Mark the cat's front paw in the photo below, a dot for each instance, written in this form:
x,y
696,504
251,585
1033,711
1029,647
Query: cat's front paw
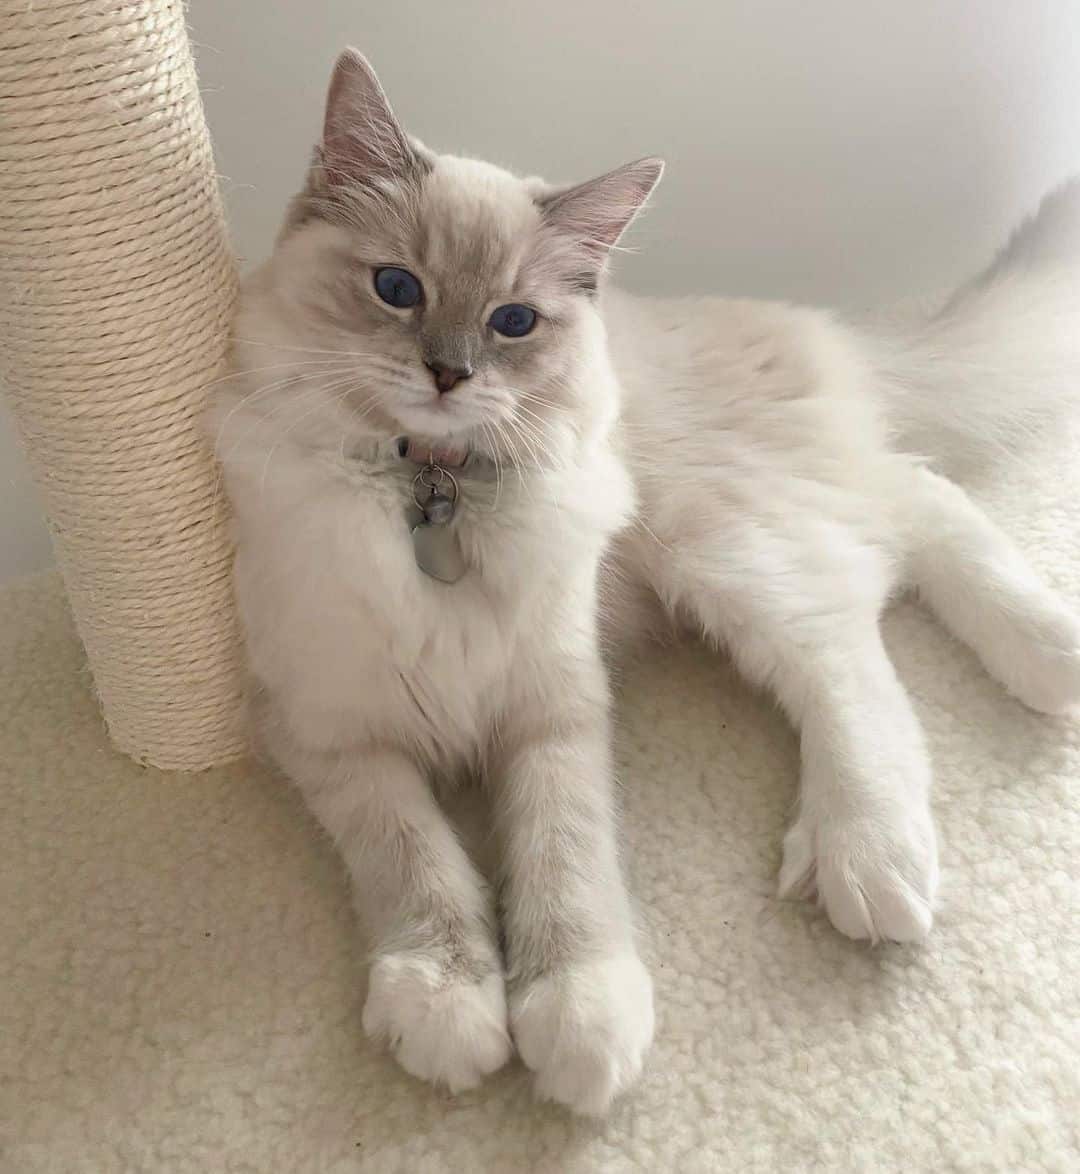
x,y
875,874
584,1030
444,1027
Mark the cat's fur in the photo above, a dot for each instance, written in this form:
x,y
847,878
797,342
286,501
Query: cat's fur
x,y
759,473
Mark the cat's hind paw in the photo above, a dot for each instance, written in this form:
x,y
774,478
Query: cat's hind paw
x,y
875,875
1043,668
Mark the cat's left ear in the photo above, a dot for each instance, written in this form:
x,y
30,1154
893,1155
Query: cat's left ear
x,y
596,213
363,142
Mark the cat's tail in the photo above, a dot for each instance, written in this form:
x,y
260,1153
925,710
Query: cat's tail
x,y
997,366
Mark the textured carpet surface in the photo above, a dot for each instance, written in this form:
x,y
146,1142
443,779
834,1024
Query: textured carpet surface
x,y
181,980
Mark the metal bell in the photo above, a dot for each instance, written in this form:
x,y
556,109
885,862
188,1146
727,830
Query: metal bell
x,y
438,509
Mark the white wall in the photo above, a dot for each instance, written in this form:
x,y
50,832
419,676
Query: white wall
x,y
844,151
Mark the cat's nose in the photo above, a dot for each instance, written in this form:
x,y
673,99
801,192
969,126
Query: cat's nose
x,y
447,378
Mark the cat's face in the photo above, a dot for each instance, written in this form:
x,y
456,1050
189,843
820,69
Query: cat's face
x,y
445,280
463,296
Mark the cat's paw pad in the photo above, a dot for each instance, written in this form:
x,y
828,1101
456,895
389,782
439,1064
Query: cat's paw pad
x,y
875,875
584,1030
443,1027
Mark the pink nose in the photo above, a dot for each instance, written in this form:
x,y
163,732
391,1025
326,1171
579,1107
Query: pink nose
x,y
447,378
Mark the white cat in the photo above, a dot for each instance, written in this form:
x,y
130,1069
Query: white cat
x,y
427,374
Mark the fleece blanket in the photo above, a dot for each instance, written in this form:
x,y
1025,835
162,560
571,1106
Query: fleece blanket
x,y
181,978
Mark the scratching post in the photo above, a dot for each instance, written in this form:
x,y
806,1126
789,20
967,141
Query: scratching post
x,y
116,288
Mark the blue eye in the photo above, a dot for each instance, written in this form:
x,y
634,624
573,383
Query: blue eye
x,y
397,287
513,320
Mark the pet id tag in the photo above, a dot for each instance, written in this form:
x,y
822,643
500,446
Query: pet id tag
x,y
435,544
438,552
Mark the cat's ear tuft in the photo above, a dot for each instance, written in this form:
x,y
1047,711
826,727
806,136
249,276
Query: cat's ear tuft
x,y
363,143
596,213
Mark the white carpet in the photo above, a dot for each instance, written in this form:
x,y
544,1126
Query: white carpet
x,y
181,980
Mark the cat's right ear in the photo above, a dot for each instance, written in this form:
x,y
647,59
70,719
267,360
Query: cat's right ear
x,y
362,143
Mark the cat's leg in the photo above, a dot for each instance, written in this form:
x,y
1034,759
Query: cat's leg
x,y
979,585
581,1006
863,838
436,993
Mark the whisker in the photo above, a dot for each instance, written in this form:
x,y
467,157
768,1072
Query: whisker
x,y
250,397
266,389
306,395
515,459
518,426
222,457
519,432
240,372
347,385
280,346
539,431
541,423
489,436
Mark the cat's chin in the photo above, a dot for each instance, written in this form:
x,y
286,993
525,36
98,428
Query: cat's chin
x,y
451,438
437,425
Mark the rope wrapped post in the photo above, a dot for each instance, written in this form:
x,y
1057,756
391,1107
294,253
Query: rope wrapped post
x,y
116,290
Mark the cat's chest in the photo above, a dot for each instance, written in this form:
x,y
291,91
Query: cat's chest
x,y
354,640
350,633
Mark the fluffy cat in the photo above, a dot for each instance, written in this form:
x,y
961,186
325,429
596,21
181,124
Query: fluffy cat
x,y
758,473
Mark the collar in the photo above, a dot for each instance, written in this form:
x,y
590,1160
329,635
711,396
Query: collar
x,y
460,460
424,452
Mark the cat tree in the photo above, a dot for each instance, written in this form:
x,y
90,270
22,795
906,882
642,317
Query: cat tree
x,y
116,288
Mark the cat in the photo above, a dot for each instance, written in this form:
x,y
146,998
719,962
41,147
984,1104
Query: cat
x,y
432,379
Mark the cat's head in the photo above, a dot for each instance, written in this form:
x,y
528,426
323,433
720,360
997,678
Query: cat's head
x,y
444,297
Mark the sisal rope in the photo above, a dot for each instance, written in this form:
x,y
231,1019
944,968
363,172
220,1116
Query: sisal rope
x,y
116,288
